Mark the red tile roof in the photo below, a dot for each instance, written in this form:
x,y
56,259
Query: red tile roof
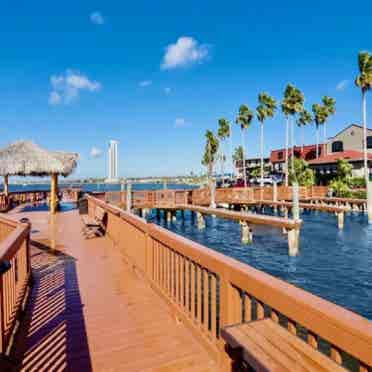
x,y
350,155
274,156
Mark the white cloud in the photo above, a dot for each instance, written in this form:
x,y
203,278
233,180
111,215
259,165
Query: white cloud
x,y
54,98
145,83
180,122
67,87
342,85
186,51
97,18
95,152
167,91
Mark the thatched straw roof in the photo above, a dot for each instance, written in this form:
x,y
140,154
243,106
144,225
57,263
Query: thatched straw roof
x,y
24,158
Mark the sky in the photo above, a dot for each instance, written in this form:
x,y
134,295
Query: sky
x,y
156,75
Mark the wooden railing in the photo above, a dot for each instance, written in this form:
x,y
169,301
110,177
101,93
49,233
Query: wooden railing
x,y
171,198
14,275
209,291
149,198
32,196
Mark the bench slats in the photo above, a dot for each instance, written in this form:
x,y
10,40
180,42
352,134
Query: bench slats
x,y
266,346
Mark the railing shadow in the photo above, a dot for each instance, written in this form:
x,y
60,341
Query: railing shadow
x,y
52,334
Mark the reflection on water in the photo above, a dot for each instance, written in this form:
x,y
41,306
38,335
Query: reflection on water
x,y
333,264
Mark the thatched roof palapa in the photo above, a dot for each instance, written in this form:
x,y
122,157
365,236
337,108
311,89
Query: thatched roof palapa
x,y
24,158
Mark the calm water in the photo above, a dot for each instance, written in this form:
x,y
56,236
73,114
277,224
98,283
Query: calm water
x,y
333,264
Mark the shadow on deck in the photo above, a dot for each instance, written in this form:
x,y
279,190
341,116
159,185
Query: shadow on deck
x,y
53,334
88,310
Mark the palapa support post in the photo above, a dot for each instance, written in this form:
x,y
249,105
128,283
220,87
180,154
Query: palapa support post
x,y
54,193
369,202
340,220
6,185
158,213
200,221
247,234
129,196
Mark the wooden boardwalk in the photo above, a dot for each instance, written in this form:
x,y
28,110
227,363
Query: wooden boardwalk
x,y
89,311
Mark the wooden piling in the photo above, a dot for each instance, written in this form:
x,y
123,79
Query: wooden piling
x,y
293,241
341,220
129,196
200,221
246,232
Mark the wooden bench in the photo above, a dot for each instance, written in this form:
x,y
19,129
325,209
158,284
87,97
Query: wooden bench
x,y
266,346
94,226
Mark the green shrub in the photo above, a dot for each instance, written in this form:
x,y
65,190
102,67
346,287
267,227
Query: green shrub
x,y
359,194
340,188
357,182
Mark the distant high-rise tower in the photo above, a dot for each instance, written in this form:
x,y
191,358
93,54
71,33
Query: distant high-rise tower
x,y
113,161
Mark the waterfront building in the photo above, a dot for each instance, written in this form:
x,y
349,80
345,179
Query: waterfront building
x,y
113,161
348,145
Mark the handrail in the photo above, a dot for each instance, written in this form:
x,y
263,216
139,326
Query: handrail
x,y
14,251
326,319
210,290
9,246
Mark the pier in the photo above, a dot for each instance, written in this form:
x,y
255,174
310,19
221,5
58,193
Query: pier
x,y
197,295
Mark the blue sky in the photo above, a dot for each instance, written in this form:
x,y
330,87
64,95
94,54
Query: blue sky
x,y
78,73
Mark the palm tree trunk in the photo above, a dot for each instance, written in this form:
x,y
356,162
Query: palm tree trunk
x,y
292,140
231,153
286,149
262,151
244,171
364,112
325,139
317,140
222,168
303,139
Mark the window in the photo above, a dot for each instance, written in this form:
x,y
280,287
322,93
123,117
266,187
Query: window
x,y
337,146
280,155
369,142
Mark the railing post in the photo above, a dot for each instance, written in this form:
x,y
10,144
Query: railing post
x,y
230,313
230,304
2,315
149,256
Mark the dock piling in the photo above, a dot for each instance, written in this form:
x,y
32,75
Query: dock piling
x,y
295,202
293,242
247,234
129,196
341,220
200,221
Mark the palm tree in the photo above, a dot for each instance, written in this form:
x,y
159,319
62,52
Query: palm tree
x,y
265,109
292,104
223,133
244,119
320,116
329,103
210,157
238,155
304,119
364,82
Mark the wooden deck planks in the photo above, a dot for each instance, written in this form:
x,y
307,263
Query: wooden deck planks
x,y
89,311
